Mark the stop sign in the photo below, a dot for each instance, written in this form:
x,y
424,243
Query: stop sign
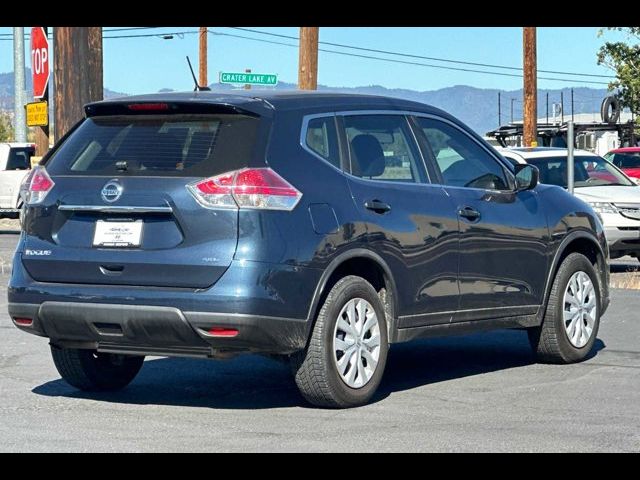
x,y
39,61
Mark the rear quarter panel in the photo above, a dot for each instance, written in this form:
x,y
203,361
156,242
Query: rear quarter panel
x,y
290,237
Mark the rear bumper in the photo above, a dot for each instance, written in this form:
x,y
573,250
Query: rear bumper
x,y
152,330
267,303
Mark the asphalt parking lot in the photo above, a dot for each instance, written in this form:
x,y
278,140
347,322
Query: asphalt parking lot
x,y
475,393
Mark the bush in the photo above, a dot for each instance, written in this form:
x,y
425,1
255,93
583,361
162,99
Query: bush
x,y
6,129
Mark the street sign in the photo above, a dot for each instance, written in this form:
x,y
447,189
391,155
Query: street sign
x,y
234,78
39,61
37,114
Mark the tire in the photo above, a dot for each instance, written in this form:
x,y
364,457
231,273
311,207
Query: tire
x,y
551,341
95,372
613,103
316,368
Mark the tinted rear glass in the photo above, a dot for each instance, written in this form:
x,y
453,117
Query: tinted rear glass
x,y
157,145
20,158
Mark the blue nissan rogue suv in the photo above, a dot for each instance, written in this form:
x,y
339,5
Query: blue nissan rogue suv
x,y
316,227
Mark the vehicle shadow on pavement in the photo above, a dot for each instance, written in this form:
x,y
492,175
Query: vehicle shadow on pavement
x,y
254,382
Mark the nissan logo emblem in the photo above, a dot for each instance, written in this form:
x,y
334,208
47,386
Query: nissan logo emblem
x,y
111,191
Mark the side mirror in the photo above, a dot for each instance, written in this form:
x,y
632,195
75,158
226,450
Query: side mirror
x,y
527,176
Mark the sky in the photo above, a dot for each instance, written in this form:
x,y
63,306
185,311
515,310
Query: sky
x,y
147,64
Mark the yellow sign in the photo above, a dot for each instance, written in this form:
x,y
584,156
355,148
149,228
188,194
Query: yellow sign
x,y
37,114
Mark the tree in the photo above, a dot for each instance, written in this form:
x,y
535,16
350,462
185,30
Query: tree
x,y
624,59
6,132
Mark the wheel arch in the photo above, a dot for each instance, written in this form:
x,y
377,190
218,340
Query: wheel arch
x,y
363,263
579,241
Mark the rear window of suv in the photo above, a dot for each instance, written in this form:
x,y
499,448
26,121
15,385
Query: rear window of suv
x,y
157,145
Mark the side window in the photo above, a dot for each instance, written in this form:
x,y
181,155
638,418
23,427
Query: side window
x,y
381,148
323,139
462,162
19,159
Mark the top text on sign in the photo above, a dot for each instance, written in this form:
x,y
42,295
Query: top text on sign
x,y
248,78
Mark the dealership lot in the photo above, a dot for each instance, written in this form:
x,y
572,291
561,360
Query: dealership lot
x,y
474,393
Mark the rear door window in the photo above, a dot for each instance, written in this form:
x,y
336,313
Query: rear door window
x,y
157,145
322,139
381,148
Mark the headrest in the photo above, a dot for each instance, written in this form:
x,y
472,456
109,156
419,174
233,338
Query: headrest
x,y
369,157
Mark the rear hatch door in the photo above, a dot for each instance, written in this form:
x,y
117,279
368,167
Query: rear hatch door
x,y
120,213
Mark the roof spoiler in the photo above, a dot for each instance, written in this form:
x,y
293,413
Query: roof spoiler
x,y
155,107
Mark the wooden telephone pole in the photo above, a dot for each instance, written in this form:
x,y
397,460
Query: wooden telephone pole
x,y
77,73
530,128
202,77
308,59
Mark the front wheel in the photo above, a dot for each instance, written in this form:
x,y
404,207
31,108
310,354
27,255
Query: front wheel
x,y
343,364
570,326
95,371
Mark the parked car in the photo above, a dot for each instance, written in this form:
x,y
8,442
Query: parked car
x,y
626,159
15,163
613,195
207,225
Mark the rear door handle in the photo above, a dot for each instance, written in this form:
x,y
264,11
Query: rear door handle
x,y
469,213
377,206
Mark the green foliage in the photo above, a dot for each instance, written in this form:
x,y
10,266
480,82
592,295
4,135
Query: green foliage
x,y
624,59
6,130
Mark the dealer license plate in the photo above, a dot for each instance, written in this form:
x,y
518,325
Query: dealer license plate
x,y
117,234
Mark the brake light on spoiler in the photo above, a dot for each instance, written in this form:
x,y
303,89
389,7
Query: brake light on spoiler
x,y
256,188
147,107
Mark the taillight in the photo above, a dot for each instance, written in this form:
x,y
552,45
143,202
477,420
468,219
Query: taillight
x,y
36,186
223,332
248,188
23,322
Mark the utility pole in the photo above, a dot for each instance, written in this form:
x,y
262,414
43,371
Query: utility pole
x,y
202,80
77,73
19,85
512,100
308,58
633,122
499,116
561,107
547,107
530,87
247,86
570,160
572,119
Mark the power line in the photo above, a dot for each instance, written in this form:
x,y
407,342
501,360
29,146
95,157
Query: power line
x,y
140,35
104,30
405,62
369,57
161,34
387,52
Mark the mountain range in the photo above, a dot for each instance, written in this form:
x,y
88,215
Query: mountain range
x,y
477,107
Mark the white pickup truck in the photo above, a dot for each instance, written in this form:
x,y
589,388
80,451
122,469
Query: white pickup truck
x,y
15,163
